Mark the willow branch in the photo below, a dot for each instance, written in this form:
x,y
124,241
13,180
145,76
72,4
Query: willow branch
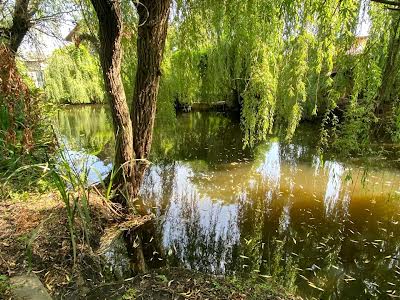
x,y
55,16
388,2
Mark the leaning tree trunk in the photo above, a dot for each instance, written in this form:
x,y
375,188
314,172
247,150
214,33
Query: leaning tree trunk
x,y
110,34
152,32
12,88
21,24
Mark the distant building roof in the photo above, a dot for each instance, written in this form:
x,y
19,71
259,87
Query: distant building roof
x,y
358,45
72,35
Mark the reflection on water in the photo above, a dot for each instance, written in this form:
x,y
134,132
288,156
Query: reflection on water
x,y
327,227
87,139
89,128
90,168
334,186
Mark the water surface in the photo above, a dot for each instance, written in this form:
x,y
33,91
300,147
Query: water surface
x,y
328,228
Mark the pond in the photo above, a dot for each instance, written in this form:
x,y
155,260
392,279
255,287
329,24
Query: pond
x,y
329,228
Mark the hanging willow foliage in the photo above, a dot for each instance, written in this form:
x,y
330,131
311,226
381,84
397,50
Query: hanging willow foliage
x,y
73,76
368,85
279,62
272,58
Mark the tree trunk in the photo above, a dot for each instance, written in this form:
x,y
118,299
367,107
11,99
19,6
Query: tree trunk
x,y
110,34
12,84
21,24
152,32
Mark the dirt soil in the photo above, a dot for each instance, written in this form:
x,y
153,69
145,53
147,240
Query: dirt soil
x,y
34,237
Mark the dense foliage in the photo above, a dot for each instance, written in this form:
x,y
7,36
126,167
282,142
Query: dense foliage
x,y
273,59
368,87
278,62
284,62
25,135
73,76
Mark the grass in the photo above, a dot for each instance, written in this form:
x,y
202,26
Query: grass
x,y
4,286
178,283
75,194
34,236
23,173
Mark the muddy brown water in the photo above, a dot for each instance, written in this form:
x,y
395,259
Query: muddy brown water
x,y
329,229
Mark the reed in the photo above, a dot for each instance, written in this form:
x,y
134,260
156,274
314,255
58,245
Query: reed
x,y
71,183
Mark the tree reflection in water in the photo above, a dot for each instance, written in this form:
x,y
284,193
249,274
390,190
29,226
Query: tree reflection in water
x,y
326,227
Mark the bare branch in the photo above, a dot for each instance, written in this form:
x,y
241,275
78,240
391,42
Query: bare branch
x,y
55,16
50,33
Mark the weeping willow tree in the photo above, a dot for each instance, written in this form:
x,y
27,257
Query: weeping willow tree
x,y
73,76
284,61
273,59
280,62
368,86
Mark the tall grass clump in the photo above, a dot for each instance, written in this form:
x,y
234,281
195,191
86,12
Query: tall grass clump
x,y
71,182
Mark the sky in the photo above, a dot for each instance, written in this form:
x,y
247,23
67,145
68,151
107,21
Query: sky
x,y
364,20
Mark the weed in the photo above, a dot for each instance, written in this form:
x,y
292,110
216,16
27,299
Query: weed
x,y
4,284
130,294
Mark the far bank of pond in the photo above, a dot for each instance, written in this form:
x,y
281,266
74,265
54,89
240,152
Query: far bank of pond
x,y
328,228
